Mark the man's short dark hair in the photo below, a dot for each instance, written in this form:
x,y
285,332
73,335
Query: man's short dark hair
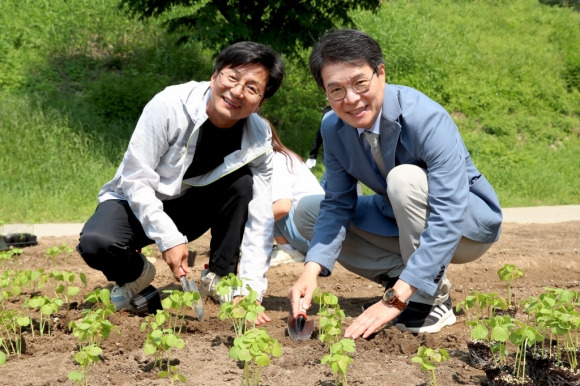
x,y
246,52
344,46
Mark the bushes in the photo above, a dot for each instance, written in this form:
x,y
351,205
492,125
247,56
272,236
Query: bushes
x,y
74,77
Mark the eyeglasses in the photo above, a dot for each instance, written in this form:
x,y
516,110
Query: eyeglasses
x,y
359,86
230,81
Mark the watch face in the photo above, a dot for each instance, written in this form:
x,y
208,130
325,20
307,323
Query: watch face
x,y
389,295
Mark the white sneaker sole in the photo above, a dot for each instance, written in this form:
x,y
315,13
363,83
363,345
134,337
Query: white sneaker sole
x,y
447,319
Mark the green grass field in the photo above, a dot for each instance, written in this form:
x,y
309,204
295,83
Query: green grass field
x,y
74,76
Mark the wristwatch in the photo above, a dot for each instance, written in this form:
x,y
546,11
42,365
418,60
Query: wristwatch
x,y
390,297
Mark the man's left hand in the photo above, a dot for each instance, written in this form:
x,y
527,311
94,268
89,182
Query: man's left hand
x,y
371,320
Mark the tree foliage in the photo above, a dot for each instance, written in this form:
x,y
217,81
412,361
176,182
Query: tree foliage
x,y
287,26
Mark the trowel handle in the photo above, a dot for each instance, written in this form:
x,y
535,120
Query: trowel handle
x,y
182,272
302,311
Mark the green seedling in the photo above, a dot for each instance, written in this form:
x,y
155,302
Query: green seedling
x,y
92,328
161,339
11,325
53,252
179,302
428,357
229,285
64,287
6,256
523,336
46,307
147,251
101,297
508,273
173,374
86,357
479,305
501,327
254,348
242,312
339,359
331,318
330,332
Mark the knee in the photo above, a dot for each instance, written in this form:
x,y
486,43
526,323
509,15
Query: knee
x,y
93,244
306,213
407,183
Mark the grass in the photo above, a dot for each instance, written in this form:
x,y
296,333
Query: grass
x,y
74,77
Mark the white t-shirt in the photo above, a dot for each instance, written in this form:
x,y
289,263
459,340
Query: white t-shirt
x,y
293,184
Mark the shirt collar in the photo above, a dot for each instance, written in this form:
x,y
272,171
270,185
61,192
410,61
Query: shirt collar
x,y
375,127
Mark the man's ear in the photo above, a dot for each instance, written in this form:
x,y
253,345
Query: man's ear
x,y
213,79
382,70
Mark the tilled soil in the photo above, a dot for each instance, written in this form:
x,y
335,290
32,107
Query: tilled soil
x,y
549,255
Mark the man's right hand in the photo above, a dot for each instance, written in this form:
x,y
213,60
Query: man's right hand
x,y
176,258
304,287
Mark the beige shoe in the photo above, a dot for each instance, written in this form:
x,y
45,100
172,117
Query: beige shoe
x,y
282,255
121,295
208,283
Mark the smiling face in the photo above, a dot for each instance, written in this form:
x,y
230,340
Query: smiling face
x,y
357,110
227,105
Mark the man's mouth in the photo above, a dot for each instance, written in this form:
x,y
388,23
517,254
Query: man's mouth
x,y
357,111
231,103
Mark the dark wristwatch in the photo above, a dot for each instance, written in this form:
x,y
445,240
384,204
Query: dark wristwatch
x,y
390,297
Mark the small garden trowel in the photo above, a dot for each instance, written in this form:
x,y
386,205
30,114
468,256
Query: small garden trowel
x,y
299,328
190,286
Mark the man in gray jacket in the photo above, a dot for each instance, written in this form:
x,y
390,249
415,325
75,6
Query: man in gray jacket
x,y
200,158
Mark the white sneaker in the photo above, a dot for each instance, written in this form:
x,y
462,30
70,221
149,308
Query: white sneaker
x,y
121,295
208,283
282,255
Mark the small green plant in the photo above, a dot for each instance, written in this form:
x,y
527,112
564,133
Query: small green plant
x,y
9,254
331,318
179,302
254,348
90,331
173,374
330,332
523,336
92,328
428,358
53,252
160,340
11,325
147,251
101,297
508,273
46,307
500,327
63,288
339,359
479,305
86,357
242,312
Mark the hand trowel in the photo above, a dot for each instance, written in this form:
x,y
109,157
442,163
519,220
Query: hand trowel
x,y
299,328
190,286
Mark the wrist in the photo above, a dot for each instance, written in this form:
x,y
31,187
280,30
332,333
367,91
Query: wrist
x,y
312,269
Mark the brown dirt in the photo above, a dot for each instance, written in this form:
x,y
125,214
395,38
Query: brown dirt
x,y
548,255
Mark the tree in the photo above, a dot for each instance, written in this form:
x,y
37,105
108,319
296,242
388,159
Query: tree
x,y
287,26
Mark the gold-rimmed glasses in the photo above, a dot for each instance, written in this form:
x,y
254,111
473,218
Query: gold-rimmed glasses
x,y
359,86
